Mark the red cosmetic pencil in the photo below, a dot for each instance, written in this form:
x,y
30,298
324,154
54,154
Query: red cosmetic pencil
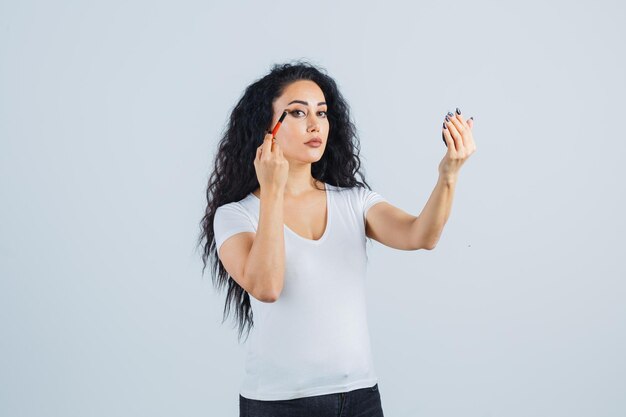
x,y
280,121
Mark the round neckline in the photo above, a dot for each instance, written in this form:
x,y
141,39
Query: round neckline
x,y
328,219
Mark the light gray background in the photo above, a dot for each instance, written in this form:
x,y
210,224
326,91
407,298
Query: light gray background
x,y
109,118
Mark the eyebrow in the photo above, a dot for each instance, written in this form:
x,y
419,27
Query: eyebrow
x,y
306,103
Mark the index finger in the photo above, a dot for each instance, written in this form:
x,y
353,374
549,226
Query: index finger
x,y
267,144
457,116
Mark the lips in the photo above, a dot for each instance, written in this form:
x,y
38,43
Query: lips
x,y
315,140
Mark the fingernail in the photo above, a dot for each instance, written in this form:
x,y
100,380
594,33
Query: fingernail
x,y
444,126
472,117
458,111
450,114
447,119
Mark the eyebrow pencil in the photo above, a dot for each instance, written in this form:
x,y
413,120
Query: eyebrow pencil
x,y
280,121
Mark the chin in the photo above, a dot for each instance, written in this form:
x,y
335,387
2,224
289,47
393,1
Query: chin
x,y
315,159
309,159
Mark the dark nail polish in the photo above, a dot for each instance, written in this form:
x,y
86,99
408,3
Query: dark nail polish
x,y
444,139
444,126
450,114
447,119
458,111
472,117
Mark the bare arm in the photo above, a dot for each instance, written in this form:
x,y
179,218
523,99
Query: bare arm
x,y
397,229
429,224
265,265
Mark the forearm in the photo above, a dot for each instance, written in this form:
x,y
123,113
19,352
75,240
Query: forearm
x,y
265,265
427,228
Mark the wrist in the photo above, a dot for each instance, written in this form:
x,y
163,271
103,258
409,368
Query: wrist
x,y
448,180
272,193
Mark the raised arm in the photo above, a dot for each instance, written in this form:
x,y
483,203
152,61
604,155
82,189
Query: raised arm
x,y
395,228
398,229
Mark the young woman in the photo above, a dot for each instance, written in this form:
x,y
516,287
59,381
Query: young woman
x,y
286,226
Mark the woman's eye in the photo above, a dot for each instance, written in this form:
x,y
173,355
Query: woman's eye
x,y
296,111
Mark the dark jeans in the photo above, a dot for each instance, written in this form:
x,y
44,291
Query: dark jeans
x,y
362,402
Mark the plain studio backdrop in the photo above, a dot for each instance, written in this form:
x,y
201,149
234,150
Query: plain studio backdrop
x,y
110,113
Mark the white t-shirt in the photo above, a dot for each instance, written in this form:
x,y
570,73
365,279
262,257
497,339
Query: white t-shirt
x,y
314,339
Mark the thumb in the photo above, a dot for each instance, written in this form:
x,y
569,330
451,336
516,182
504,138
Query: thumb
x,y
470,122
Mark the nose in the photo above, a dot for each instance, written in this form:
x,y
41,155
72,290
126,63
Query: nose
x,y
314,126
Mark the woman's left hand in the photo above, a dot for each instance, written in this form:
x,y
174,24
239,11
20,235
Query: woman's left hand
x,y
460,142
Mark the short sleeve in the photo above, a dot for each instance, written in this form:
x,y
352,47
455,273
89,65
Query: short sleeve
x,y
367,199
229,220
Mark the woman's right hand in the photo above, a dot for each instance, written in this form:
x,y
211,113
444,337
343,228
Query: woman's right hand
x,y
271,166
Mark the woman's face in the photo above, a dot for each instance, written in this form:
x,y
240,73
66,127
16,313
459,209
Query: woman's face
x,y
306,119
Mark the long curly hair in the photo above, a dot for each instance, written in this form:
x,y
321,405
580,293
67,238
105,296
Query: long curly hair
x,y
234,175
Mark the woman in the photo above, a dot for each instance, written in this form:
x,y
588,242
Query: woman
x,y
287,223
